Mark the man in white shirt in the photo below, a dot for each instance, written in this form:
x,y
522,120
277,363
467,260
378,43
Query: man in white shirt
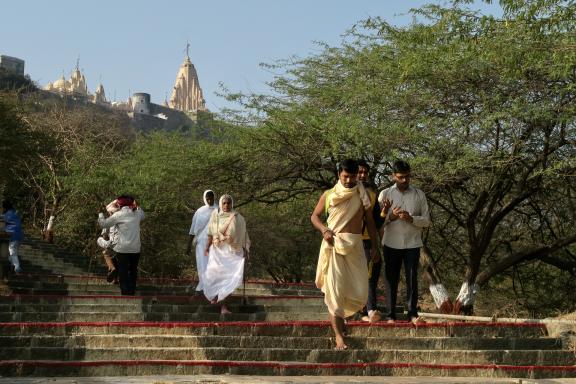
x,y
127,247
407,217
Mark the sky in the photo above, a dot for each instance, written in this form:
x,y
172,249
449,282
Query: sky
x,y
138,46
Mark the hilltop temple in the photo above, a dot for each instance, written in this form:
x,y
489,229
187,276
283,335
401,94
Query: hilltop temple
x,y
187,94
76,86
186,102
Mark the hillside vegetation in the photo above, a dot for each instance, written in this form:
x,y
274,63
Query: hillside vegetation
x,y
482,107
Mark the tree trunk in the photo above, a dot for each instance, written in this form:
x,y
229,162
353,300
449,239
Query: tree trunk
x,y
437,289
48,232
465,301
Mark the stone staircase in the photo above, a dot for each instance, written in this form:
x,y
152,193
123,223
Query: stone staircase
x,y
59,320
38,257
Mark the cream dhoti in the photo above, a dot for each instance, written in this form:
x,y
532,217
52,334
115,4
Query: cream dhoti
x,y
342,271
342,274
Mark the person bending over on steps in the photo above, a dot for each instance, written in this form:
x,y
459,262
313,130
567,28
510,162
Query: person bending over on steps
x,y
127,246
106,241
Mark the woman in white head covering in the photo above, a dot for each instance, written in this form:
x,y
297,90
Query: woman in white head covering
x,y
199,235
228,244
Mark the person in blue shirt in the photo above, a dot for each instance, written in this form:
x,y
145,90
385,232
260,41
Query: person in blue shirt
x,y
14,228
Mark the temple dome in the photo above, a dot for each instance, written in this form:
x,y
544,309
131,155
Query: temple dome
x,y
61,84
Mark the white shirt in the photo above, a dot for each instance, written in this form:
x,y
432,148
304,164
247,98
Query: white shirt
x,y
399,234
128,223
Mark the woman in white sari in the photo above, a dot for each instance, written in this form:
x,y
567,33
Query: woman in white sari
x,y
199,235
228,245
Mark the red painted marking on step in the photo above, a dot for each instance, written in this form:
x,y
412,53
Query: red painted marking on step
x,y
249,324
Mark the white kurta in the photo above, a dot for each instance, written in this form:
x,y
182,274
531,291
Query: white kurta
x,y
199,229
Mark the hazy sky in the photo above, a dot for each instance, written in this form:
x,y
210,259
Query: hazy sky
x,y
138,46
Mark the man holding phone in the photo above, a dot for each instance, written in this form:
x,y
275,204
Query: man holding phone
x,y
402,238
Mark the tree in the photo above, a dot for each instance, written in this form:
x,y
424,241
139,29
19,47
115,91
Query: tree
x,y
482,107
18,143
75,135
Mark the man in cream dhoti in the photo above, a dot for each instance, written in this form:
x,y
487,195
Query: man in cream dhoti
x,y
342,271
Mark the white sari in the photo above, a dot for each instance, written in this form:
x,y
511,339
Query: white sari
x,y
230,241
199,229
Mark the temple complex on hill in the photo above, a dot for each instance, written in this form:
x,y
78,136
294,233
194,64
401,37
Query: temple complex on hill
x,y
186,101
76,86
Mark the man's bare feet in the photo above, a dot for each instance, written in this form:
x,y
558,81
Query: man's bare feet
x,y
340,345
339,326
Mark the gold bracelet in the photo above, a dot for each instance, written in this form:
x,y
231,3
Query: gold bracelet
x,y
326,230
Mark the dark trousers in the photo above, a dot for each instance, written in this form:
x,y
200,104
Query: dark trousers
x,y
128,272
394,259
374,276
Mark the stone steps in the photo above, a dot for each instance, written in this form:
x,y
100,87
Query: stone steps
x,y
441,349
37,256
97,279
70,322
289,342
399,330
296,301
115,290
97,285
265,368
470,357
75,289
152,308
140,316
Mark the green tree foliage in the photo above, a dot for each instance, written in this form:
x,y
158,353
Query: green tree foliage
x,y
82,136
18,144
482,107
10,81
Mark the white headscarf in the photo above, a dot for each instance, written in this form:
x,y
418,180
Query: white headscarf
x,y
229,226
201,218
228,198
204,196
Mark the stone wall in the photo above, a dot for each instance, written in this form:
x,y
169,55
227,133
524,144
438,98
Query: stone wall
x,y
174,120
